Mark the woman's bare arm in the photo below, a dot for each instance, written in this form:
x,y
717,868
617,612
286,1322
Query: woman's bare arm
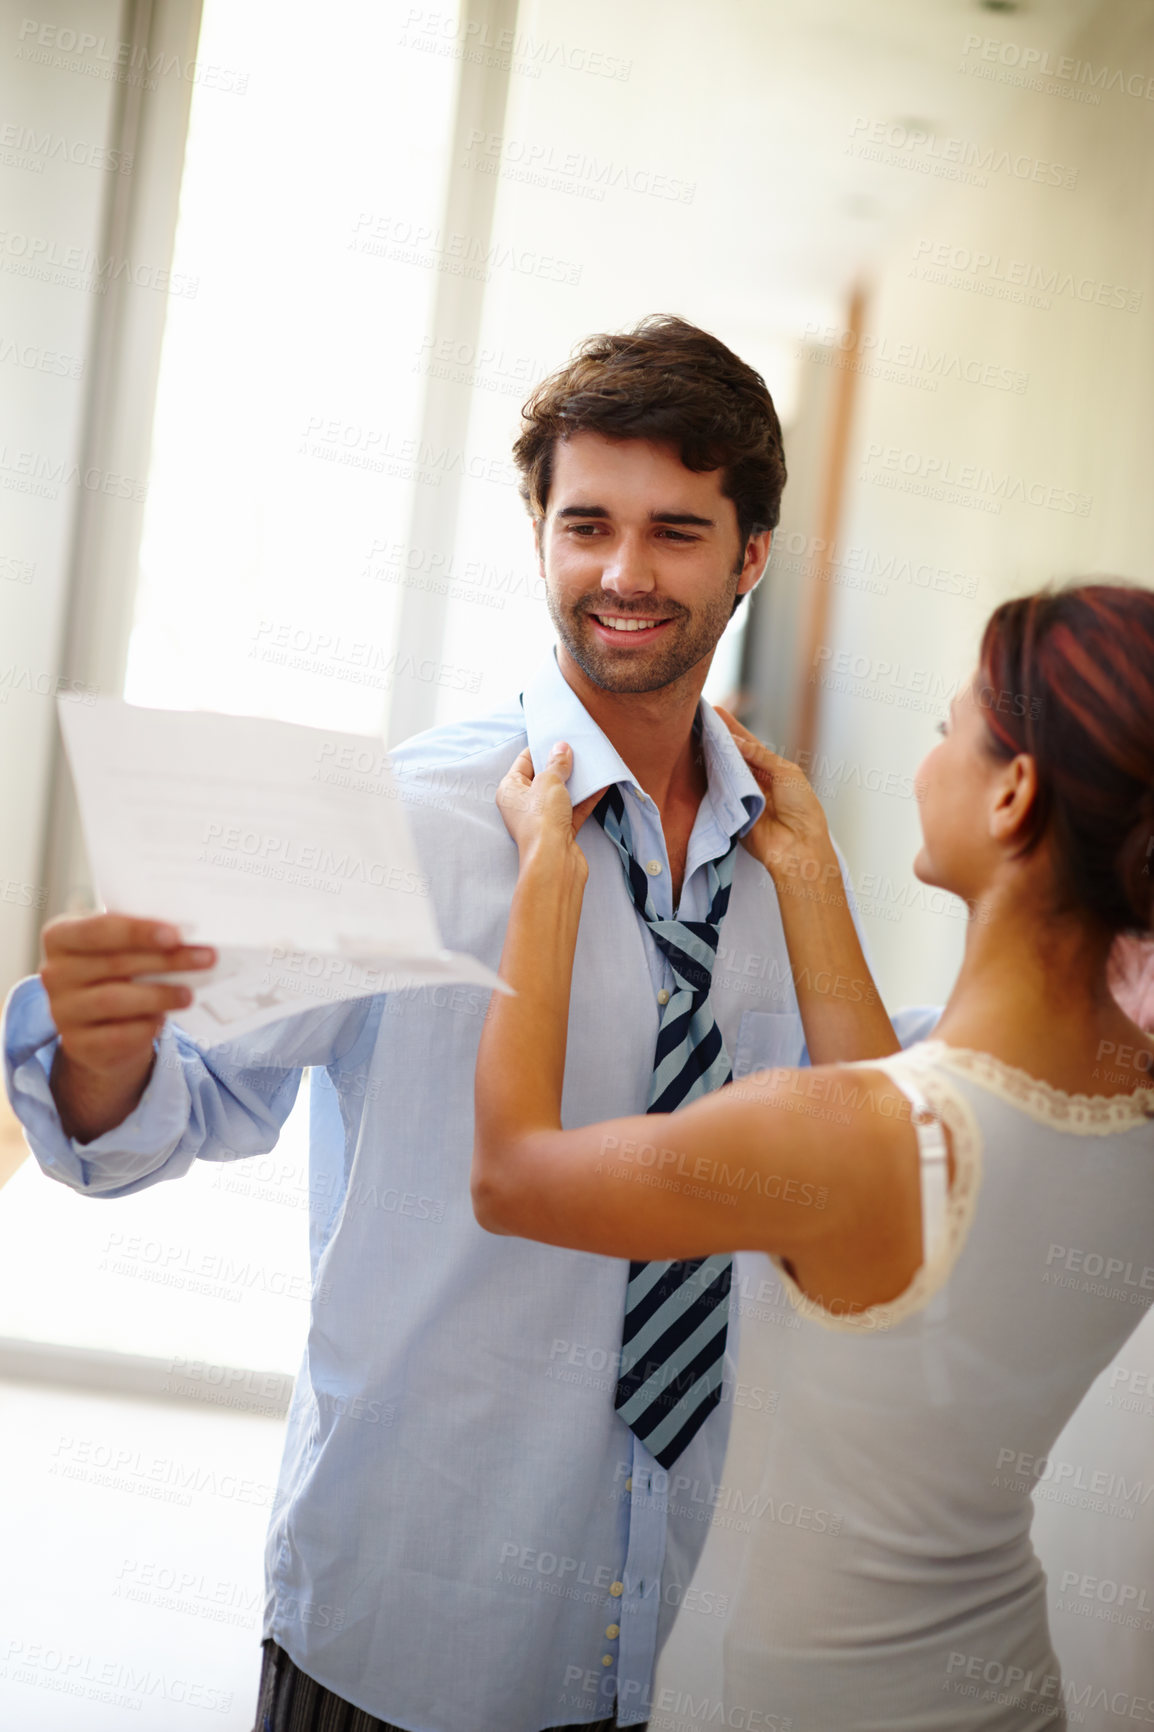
x,y
841,1011
782,1161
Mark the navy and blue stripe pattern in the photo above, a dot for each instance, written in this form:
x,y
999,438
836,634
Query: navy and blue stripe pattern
x,y
676,1314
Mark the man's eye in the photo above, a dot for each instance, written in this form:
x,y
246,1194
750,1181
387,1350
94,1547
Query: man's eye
x,y
676,535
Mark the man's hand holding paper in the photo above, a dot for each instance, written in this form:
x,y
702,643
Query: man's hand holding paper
x,y
284,848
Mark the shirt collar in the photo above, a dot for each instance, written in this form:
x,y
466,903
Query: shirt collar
x,y
553,712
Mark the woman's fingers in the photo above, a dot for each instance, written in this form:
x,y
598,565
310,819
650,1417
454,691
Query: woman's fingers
x,y
742,736
555,804
519,775
530,801
560,760
764,764
754,750
791,804
758,754
558,769
583,809
735,727
553,775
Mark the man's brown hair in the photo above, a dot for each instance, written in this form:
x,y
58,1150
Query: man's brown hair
x,y
663,380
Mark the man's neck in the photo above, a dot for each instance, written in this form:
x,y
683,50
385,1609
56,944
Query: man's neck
x,y
652,732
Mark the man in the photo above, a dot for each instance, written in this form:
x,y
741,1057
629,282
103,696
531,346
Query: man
x,y
499,1551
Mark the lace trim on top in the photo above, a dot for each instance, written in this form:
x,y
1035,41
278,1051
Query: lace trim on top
x,y
966,1143
1090,1115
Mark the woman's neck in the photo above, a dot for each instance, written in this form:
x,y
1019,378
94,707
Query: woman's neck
x,y
1033,991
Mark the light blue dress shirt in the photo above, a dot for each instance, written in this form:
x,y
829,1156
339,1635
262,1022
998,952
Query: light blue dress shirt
x,y
465,1535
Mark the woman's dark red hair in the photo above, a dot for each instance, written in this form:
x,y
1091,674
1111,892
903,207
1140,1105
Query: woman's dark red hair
x,y
1067,676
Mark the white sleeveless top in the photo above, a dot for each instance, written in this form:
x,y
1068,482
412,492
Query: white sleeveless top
x,y
925,1422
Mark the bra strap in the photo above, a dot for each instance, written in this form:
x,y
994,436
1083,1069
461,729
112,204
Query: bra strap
x,y
933,1158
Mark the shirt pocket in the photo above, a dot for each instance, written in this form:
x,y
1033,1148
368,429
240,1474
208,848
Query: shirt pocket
x,y
769,1040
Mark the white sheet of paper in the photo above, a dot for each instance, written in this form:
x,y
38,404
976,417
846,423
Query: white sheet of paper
x,y
285,847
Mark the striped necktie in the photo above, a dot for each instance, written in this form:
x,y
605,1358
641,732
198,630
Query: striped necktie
x,y
676,1314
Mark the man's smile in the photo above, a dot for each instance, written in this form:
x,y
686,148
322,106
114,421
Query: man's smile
x,y
639,628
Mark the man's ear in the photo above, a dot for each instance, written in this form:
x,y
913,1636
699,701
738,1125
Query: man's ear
x,y
756,559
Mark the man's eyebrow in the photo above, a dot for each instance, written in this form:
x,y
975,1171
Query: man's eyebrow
x,y
680,517
686,517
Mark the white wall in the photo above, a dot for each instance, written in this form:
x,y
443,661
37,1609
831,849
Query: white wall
x,y
52,209
1082,426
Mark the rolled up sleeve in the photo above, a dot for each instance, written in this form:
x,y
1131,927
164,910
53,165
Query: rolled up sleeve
x,y
218,1106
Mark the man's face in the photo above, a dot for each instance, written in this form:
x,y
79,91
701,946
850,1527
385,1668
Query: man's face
x,y
642,560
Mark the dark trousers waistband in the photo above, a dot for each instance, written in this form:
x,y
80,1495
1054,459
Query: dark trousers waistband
x,y
290,1701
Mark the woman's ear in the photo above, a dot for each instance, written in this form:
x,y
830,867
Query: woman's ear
x,y
1015,791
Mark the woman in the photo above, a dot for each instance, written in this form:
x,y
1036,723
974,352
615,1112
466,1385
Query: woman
x,y
947,1328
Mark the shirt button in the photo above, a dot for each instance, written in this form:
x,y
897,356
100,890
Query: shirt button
x,y
606,1659
663,995
617,1589
653,867
613,1632
629,1483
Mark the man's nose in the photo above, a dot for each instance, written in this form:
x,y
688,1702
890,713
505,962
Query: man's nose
x,y
628,570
